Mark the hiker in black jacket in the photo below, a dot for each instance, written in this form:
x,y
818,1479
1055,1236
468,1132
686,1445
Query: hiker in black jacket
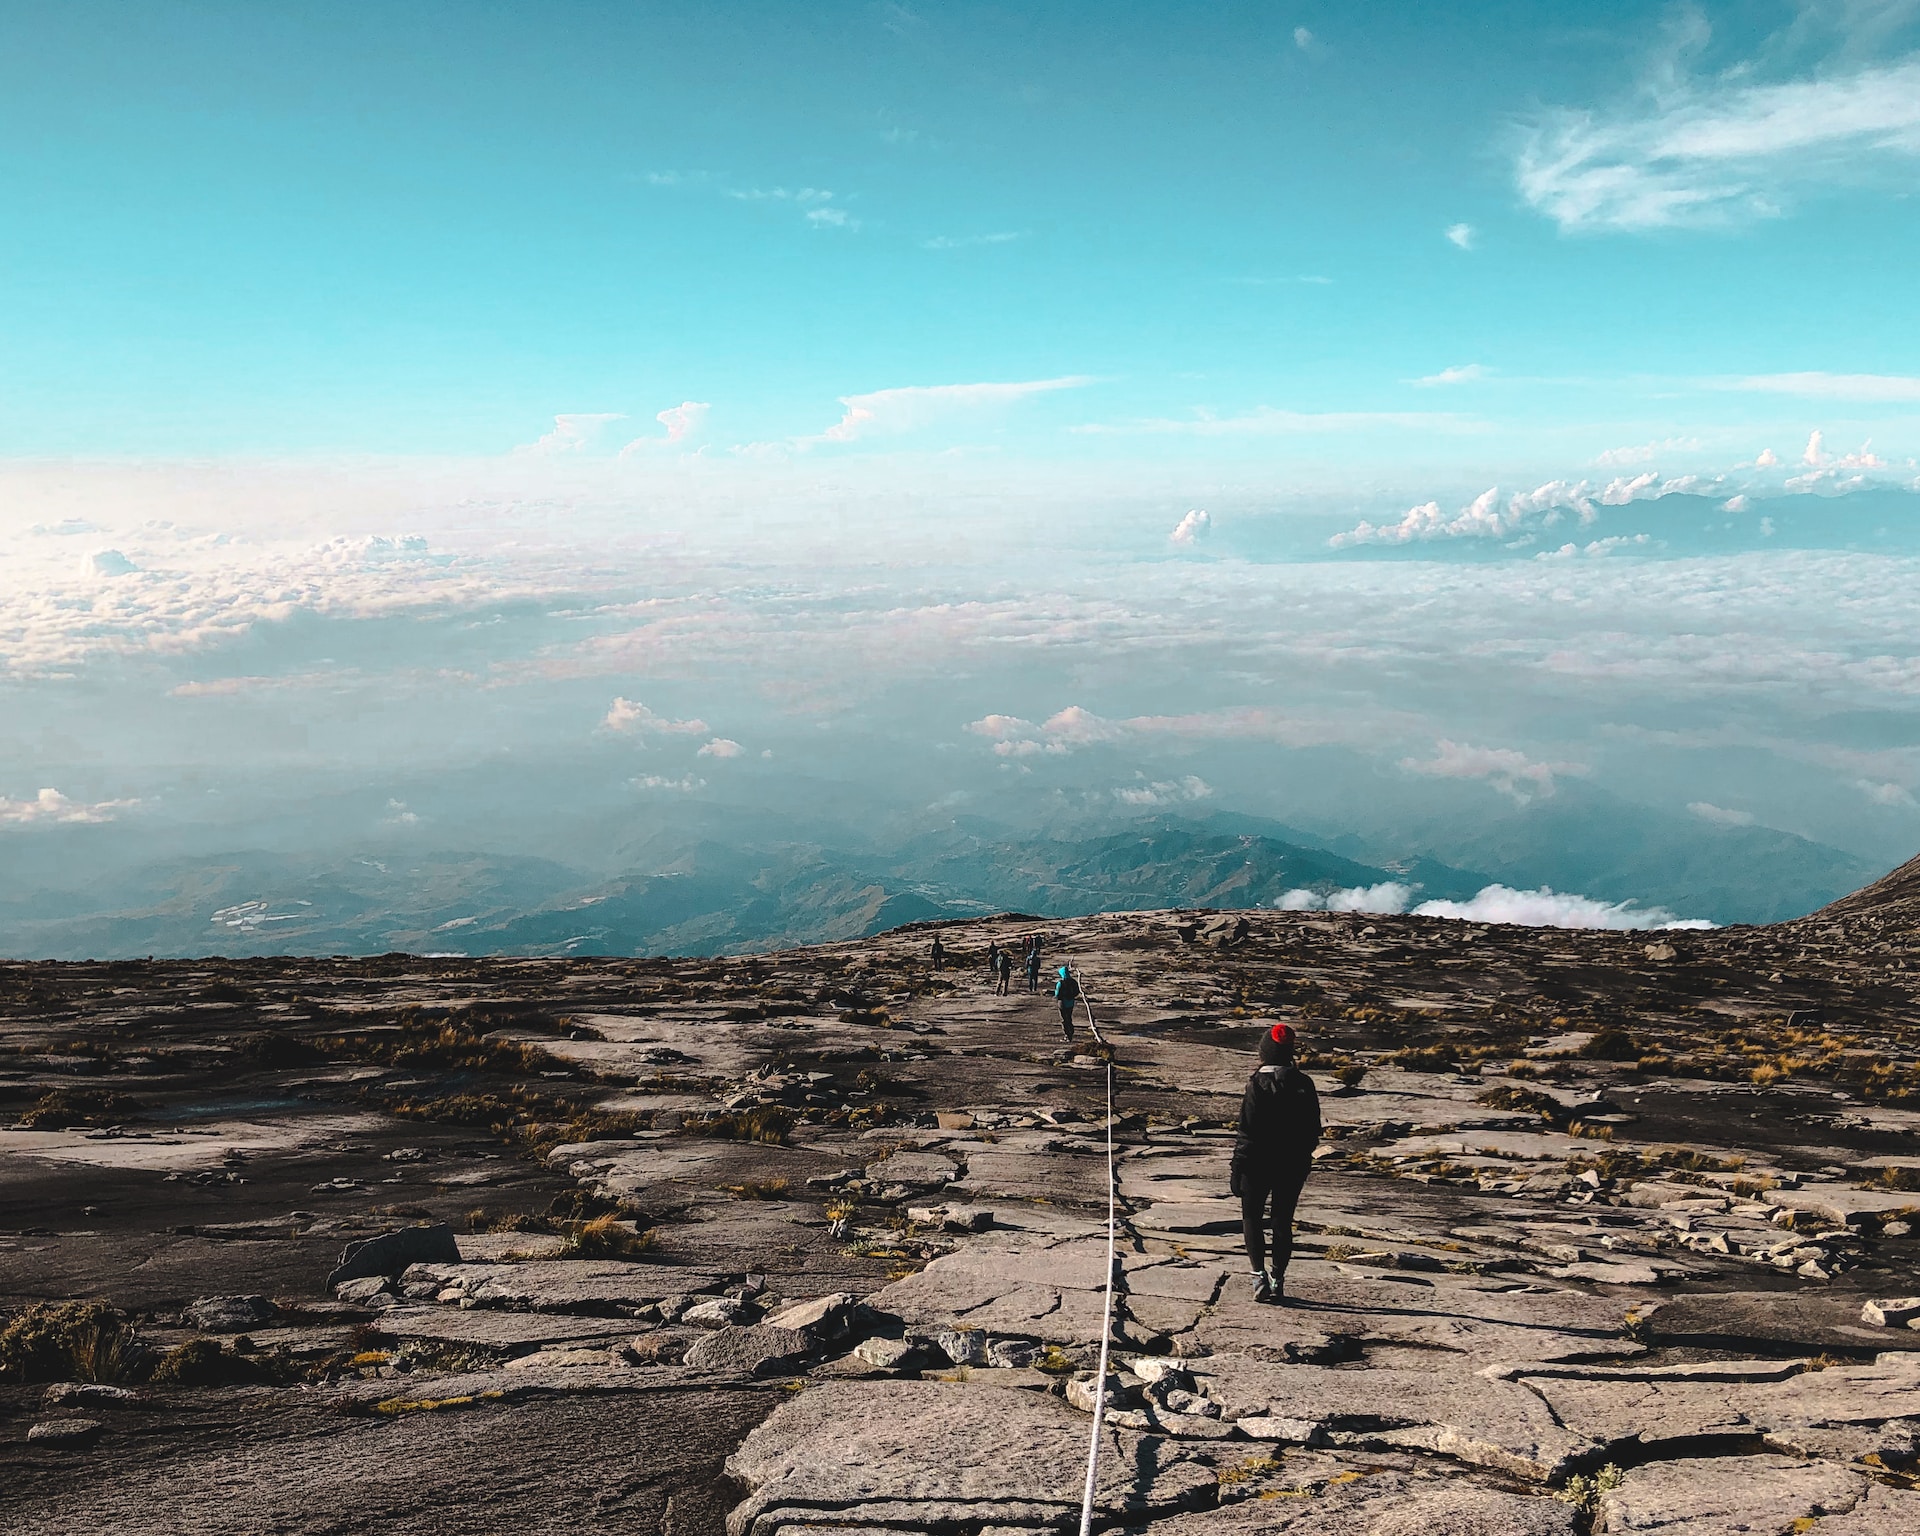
x,y
1272,1152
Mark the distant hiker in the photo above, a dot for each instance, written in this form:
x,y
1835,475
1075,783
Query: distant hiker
x,y
1033,969
993,959
1272,1153
1005,964
1066,992
939,954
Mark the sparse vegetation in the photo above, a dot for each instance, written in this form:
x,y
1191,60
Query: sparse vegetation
x,y
607,1237
71,1341
68,1108
1584,1492
770,1123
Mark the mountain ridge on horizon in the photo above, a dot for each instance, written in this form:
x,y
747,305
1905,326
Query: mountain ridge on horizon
x,y
702,894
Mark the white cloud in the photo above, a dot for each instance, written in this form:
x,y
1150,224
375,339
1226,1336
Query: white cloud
x,y
1546,908
1058,734
1513,773
1488,516
1874,388
1485,517
1461,235
399,816
682,423
1466,373
109,563
1885,793
1719,815
961,242
888,412
573,432
1191,529
1386,899
1737,504
1699,152
1816,456
1767,459
53,808
721,746
630,717
683,786
1165,792
1596,549
831,218
1302,39
1265,421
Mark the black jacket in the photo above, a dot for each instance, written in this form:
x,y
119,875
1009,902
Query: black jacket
x,y
1279,1122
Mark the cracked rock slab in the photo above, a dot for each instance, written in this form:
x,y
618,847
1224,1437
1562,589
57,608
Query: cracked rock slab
x,y
1730,1496
917,1454
1471,1419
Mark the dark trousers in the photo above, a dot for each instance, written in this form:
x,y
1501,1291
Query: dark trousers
x,y
1066,1017
1270,1194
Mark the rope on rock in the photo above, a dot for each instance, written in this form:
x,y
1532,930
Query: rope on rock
x,y
1106,1316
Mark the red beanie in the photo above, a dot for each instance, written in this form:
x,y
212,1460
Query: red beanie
x,y
1276,1045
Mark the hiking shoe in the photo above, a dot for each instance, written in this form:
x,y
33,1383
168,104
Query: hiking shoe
x,y
1262,1286
1276,1292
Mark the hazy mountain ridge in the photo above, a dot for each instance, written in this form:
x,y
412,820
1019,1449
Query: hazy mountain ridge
x,y
707,895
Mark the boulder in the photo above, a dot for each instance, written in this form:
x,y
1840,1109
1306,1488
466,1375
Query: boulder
x,y
1083,1394
721,1312
67,1434
963,1346
363,1291
229,1314
89,1394
390,1253
888,1354
1891,1312
762,1350
823,1316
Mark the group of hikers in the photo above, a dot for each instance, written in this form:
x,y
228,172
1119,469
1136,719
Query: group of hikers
x,y
1000,967
1273,1142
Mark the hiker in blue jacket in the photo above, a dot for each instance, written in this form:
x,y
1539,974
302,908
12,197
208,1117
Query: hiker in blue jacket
x,y
1066,992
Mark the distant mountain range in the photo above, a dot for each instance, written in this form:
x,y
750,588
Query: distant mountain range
x,y
709,896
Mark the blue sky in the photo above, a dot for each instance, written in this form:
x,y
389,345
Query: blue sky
x,y
1383,418
425,228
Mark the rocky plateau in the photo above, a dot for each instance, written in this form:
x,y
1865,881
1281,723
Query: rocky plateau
x,y
1607,1232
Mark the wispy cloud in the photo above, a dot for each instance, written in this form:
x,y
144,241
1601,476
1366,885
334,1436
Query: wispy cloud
x,y
1720,150
1462,235
1464,374
889,412
1888,388
817,206
1514,774
1265,421
960,242
1719,815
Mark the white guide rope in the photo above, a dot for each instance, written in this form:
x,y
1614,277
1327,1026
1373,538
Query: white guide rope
x,y
1106,1316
